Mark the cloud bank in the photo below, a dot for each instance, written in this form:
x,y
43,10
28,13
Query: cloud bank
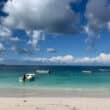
x,y
38,17
56,16
103,59
98,18
98,14
52,16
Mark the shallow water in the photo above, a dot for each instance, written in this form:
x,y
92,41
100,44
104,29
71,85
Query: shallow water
x,y
61,77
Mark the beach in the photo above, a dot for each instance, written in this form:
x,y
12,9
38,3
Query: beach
x,y
54,103
65,88
28,99
54,54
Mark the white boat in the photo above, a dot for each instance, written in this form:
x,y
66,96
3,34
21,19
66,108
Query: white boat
x,y
87,71
104,70
42,71
28,77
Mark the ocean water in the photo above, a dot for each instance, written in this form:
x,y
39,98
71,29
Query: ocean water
x,y
60,77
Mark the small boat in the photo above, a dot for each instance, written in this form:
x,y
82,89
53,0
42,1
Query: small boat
x,y
42,71
28,77
104,70
87,71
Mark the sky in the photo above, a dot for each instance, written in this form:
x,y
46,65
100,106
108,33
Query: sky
x,y
53,32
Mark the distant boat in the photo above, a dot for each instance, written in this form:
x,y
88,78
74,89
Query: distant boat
x,y
87,71
28,77
42,71
104,70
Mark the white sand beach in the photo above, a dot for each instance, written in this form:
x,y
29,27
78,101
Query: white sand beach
x,y
18,99
54,103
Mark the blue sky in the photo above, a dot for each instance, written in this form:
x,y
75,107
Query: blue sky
x,y
71,32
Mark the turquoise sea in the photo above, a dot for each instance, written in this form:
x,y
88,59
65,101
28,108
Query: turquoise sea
x,y
80,78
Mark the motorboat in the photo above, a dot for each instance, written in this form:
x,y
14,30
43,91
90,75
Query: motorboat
x,y
42,71
87,71
104,70
28,77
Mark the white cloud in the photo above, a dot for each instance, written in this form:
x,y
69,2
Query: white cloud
x,y
36,17
37,50
101,59
5,33
14,39
98,18
2,48
98,14
1,59
21,50
13,48
92,39
108,26
51,50
54,16
35,38
62,59
58,59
